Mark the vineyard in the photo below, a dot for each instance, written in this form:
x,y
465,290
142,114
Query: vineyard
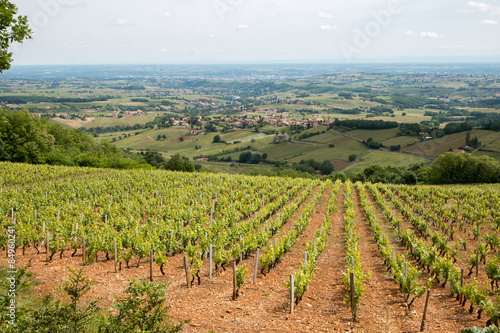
x,y
256,253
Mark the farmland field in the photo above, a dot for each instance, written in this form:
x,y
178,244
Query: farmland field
x,y
438,146
397,241
385,158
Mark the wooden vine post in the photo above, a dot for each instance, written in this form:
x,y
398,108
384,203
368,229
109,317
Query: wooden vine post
x,y
188,271
477,263
151,257
461,285
406,296
210,263
83,249
234,281
353,296
256,267
47,246
292,295
170,251
424,318
116,257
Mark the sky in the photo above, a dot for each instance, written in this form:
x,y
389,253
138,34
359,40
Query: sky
x,y
253,31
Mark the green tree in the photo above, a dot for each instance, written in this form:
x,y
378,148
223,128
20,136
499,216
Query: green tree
x,y
216,139
57,316
326,167
245,157
25,139
154,158
256,158
452,168
210,128
177,163
12,29
143,310
352,157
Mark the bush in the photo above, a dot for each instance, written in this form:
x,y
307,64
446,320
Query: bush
x,y
56,316
143,310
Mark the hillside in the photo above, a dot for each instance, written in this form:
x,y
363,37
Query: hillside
x,y
329,117
76,218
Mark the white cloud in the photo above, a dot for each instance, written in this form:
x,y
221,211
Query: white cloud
x,y
120,23
484,7
324,15
242,27
329,27
164,49
74,4
211,36
429,35
166,15
488,21
470,47
424,34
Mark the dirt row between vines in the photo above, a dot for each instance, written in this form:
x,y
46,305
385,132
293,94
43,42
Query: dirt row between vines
x,y
463,256
445,314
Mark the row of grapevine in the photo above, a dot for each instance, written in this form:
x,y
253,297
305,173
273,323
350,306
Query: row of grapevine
x,y
275,251
353,255
307,269
443,267
172,220
21,173
405,274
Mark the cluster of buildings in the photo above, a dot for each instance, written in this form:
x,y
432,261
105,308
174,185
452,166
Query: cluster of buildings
x,y
249,121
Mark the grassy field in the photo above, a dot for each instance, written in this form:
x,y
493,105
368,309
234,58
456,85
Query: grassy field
x,y
172,145
287,151
438,146
386,159
376,135
495,155
130,120
492,142
234,168
401,140
330,137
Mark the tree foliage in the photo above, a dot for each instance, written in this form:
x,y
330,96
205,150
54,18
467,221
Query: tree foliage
x,y
12,29
177,163
28,139
353,124
143,310
453,168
